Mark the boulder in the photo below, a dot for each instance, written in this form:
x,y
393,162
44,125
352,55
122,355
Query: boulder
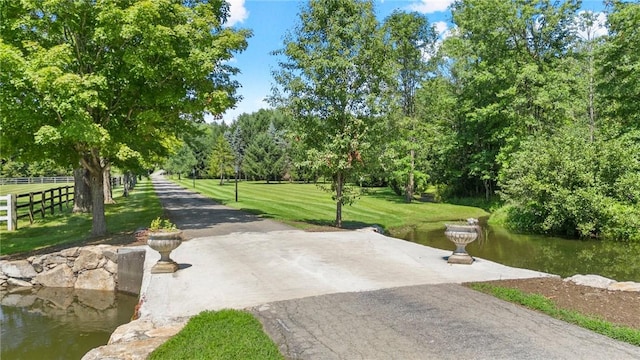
x,y
596,281
624,286
20,269
88,259
71,252
110,253
59,276
135,350
19,283
111,267
53,260
98,279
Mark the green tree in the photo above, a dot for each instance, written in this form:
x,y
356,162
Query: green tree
x,y
331,80
265,159
182,162
619,68
221,160
508,61
96,83
412,42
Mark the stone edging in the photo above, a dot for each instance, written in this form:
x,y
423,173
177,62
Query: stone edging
x,y
91,268
136,340
602,282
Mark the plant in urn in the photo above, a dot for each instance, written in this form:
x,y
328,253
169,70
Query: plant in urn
x,y
164,237
461,235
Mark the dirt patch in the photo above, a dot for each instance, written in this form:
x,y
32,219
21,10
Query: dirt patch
x,y
618,307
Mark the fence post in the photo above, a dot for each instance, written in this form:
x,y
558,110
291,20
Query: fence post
x,y
60,199
52,202
43,198
30,208
12,216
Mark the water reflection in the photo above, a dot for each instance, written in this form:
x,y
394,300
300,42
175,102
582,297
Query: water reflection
x,y
57,323
619,261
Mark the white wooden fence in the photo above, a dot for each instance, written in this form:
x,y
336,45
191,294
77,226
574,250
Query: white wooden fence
x,y
36,180
9,211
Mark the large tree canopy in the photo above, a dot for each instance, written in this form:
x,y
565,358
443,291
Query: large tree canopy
x,y
331,80
412,43
100,82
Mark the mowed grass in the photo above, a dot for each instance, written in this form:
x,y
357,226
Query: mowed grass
x,y
27,188
128,214
225,334
306,205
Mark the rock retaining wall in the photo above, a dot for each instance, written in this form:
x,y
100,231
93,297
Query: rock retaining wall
x,y
91,268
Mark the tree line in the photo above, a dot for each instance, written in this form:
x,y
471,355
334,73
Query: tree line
x,y
521,100
525,101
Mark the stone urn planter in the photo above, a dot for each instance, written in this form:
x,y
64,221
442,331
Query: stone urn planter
x,y
461,235
164,237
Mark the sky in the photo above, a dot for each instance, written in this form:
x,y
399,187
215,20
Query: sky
x,y
271,19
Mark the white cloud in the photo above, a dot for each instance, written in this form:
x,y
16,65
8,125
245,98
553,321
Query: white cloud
x,y
237,12
441,28
591,25
430,6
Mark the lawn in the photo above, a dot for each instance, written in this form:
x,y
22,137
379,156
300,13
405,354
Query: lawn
x,y
66,228
225,334
27,188
306,205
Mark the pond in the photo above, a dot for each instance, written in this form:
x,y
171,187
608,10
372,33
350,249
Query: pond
x,y
58,323
564,257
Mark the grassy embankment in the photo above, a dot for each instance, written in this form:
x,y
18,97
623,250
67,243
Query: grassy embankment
x,y
67,229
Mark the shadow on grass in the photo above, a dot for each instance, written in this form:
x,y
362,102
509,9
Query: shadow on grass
x,y
65,230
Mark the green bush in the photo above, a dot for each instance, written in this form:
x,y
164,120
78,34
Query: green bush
x,y
568,185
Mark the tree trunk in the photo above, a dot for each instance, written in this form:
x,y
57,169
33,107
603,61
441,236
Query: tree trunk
x,y
95,168
339,184
125,185
408,192
99,222
81,191
106,175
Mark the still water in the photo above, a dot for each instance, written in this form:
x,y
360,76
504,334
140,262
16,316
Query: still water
x,y
553,255
56,323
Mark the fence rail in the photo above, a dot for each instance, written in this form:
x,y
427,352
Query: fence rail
x,y
9,211
37,180
39,202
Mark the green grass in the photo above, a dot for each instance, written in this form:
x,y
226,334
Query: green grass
x,y
66,228
225,334
27,188
305,205
541,303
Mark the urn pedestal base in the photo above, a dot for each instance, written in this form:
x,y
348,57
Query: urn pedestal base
x,y
162,267
465,259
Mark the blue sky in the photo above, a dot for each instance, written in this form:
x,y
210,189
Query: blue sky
x,y
271,19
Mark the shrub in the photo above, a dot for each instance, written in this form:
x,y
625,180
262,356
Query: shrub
x,y
568,185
